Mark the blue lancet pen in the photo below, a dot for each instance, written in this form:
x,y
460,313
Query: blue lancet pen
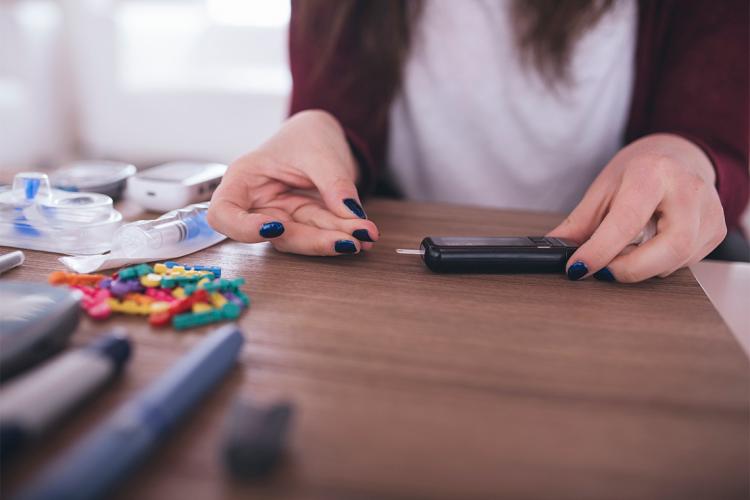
x,y
91,468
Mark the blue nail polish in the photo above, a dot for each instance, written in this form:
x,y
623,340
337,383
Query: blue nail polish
x,y
604,274
272,229
345,246
577,271
355,208
362,235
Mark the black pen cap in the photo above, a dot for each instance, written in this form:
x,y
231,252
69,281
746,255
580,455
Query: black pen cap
x,y
254,438
115,345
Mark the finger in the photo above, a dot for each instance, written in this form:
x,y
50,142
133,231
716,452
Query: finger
x,y
313,214
632,207
237,223
665,253
339,194
308,240
698,256
586,216
311,211
604,274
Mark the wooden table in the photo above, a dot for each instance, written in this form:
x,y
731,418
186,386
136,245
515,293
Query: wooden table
x,y
411,384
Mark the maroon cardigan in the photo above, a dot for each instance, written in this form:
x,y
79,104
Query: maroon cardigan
x,y
691,79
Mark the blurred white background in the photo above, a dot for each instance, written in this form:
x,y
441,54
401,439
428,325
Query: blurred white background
x,y
144,81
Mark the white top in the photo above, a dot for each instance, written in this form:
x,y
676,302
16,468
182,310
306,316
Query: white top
x,y
474,125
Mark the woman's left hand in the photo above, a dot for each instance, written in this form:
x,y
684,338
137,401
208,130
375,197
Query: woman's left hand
x,y
662,176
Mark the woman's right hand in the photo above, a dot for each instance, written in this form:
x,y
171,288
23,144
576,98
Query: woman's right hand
x,y
297,191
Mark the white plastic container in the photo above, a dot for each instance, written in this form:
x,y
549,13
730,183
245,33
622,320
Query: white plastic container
x,y
174,185
37,217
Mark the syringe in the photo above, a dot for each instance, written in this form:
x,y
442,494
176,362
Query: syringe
x,y
171,229
174,234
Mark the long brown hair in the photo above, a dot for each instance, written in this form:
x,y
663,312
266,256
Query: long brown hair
x,y
546,32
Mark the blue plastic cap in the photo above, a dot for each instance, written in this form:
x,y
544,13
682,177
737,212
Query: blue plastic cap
x,y
114,345
32,188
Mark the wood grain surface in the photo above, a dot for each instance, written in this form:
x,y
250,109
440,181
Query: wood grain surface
x,y
409,384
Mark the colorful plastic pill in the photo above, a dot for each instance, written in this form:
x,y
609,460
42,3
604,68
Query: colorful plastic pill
x,y
87,279
161,318
100,311
129,307
58,278
151,280
139,298
63,278
168,282
182,321
231,311
181,306
160,268
121,287
243,297
218,300
159,307
231,297
200,296
215,270
127,274
99,296
200,307
144,269
160,294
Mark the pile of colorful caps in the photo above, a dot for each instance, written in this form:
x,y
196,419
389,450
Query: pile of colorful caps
x,y
185,296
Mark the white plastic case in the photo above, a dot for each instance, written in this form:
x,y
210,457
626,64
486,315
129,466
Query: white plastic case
x,y
174,185
37,217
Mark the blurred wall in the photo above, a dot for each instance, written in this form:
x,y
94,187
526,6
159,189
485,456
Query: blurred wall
x,y
139,80
35,116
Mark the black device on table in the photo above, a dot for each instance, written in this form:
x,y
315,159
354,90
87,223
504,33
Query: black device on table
x,y
36,321
504,254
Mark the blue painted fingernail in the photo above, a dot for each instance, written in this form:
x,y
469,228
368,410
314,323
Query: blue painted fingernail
x,y
355,208
577,271
345,246
362,235
604,274
272,229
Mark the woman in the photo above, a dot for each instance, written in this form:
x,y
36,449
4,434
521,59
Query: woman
x,y
633,110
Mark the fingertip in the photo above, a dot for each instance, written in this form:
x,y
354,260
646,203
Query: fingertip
x,y
345,247
340,195
604,274
354,207
363,235
577,270
272,229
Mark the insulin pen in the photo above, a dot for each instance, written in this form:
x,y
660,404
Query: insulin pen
x,y
11,260
104,457
31,404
